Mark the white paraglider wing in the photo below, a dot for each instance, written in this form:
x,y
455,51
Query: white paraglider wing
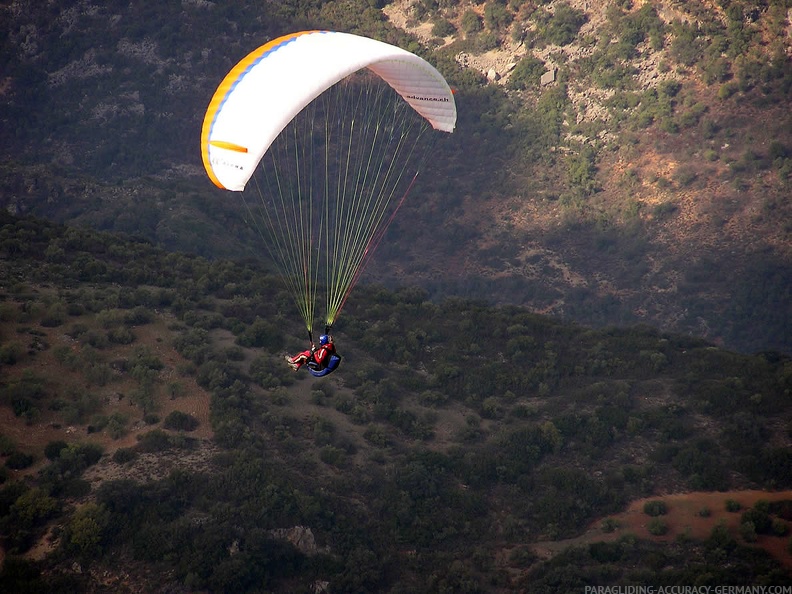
x,y
272,84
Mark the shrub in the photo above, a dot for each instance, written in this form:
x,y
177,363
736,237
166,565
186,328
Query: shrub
x,y
779,527
235,353
655,508
727,90
748,531
120,335
53,449
7,445
758,518
155,441
11,353
527,73
733,506
497,16
561,26
657,527
471,22
665,209
19,461
180,421
124,455
443,28
685,176
116,425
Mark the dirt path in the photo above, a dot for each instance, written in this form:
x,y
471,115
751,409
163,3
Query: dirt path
x,y
683,519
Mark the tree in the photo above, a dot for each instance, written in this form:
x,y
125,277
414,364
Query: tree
x,y
496,15
527,73
471,22
180,421
85,531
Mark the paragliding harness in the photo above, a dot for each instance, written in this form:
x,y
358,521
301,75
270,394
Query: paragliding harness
x,y
326,367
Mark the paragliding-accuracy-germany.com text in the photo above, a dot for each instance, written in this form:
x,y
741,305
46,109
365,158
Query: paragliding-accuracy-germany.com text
x,y
687,590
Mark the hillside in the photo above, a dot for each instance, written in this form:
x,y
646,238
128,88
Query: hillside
x,y
153,439
648,183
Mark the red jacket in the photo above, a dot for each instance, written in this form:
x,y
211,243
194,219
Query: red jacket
x,y
321,356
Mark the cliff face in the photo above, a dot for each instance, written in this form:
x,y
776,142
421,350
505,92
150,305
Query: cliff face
x,y
648,182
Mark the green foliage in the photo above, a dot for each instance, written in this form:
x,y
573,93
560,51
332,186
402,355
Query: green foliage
x,y
748,531
7,445
733,506
471,22
53,449
180,421
687,46
582,170
160,441
443,28
11,353
526,73
609,525
19,461
23,395
262,334
655,507
759,518
559,27
83,534
26,516
657,527
497,16
422,441
124,455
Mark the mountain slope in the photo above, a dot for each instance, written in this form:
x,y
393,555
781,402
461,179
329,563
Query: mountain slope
x,y
452,438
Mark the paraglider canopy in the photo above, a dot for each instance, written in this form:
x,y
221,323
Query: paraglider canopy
x,y
272,84
332,128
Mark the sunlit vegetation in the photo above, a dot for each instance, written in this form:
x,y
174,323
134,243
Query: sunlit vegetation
x,y
442,415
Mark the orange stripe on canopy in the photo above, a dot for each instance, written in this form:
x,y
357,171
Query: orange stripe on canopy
x,y
225,87
228,146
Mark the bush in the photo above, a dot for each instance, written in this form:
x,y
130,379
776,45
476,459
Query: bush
x,y
527,73
151,419
53,449
179,421
655,508
7,445
120,335
748,531
124,455
758,518
443,28
497,16
11,353
779,527
154,441
19,461
471,22
733,506
561,26
657,527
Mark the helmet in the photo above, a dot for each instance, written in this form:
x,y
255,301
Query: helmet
x,y
324,339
